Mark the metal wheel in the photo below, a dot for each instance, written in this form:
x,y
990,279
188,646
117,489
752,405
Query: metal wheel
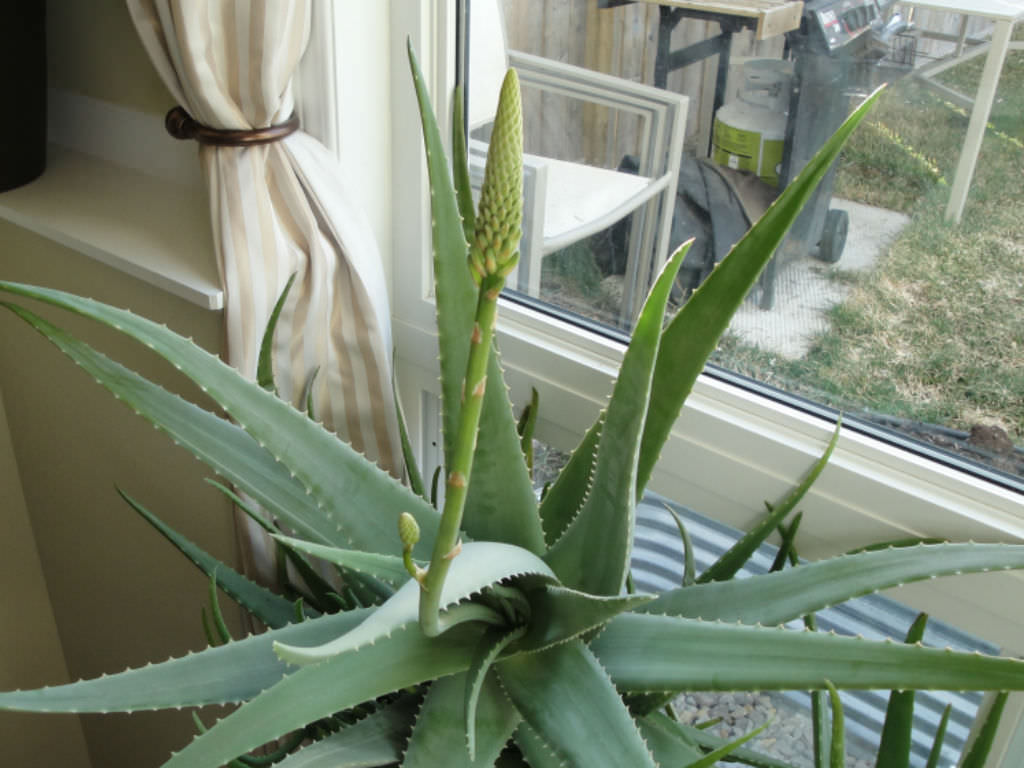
x,y
833,236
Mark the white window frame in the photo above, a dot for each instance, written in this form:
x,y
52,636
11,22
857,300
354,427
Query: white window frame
x,y
731,448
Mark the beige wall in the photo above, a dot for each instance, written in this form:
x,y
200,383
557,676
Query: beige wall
x,y
121,596
28,632
116,70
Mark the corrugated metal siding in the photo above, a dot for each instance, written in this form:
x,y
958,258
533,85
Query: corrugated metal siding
x,y
657,566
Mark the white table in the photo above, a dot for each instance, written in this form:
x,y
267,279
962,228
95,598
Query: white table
x,y
1004,14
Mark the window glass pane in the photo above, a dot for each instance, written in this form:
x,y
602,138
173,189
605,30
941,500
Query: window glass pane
x,y
876,304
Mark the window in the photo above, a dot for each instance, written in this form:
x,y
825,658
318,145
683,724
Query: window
x,y
734,446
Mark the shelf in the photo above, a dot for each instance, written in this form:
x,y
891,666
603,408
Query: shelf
x,y
150,228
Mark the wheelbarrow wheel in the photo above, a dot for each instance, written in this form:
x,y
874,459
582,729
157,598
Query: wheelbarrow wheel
x,y
833,236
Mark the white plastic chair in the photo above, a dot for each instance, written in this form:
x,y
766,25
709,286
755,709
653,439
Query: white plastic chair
x,y
568,201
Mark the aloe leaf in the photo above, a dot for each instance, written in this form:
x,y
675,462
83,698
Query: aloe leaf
x,y
562,501
559,613
693,334
666,741
227,674
282,748
775,598
439,737
526,426
837,748
739,553
404,659
358,503
684,654
492,644
321,590
273,610
218,617
689,564
536,751
707,740
897,730
593,553
940,736
265,363
821,732
563,692
725,750
226,448
478,565
460,165
387,567
376,740
412,469
501,505
982,745
455,292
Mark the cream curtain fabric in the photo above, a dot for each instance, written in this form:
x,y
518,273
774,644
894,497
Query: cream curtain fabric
x,y
281,208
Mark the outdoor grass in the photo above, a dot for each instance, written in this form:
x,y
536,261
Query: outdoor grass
x,y
935,332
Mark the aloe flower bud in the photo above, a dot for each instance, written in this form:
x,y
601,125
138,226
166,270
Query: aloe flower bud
x,y
408,530
494,249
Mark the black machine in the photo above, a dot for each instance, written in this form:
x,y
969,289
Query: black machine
x,y
841,48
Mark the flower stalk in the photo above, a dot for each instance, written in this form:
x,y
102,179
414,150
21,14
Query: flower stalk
x,y
493,254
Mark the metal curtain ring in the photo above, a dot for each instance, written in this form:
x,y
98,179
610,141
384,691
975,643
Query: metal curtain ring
x,y
181,125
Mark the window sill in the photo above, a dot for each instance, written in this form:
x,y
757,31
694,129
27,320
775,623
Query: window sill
x,y
153,229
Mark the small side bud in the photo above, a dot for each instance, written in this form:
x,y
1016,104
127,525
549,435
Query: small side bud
x,y
408,530
409,533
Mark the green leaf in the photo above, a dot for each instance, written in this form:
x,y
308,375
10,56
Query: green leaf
x,y
693,334
820,731
978,753
526,426
460,165
439,737
227,674
404,659
492,644
666,741
563,499
593,553
559,613
684,654
356,503
411,467
376,740
563,693
223,446
265,364
387,567
725,750
940,736
273,610
534,748
478,565
501,505
709,741
775,598
739,553
837,750
897,730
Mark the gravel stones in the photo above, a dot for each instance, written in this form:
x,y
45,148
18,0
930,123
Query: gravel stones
x,y
787,738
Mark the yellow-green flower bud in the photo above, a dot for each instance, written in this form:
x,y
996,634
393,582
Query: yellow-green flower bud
x,y
500,212
408,530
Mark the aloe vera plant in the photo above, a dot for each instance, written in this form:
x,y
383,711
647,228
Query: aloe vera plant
x,y
499,629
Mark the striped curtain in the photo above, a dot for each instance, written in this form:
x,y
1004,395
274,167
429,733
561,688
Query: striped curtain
x,y
278,209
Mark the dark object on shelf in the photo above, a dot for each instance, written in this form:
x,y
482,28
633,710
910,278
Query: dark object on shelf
x,y
23,85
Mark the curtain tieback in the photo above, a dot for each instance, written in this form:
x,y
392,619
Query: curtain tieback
x,y
181,125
